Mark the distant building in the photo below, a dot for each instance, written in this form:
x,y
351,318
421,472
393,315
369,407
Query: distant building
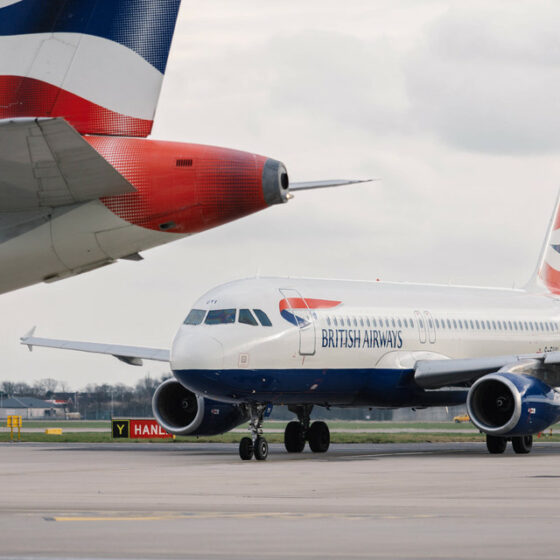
x,y
29,407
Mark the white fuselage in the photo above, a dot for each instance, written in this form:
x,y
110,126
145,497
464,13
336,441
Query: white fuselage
x,y
364,327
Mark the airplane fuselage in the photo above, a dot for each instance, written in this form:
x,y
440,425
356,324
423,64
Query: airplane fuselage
x,y
349,343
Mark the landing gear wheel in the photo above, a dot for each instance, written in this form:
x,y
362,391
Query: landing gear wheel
x,y
319,437
246,448
522,444
294,437
261,449
496,444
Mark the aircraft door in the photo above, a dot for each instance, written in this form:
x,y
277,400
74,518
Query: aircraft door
x,y
298,313
421,327
431,327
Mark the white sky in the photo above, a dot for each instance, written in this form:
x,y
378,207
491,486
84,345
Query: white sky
x,y
454,105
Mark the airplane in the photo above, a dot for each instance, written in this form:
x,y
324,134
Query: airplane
x,y
80,185
251,344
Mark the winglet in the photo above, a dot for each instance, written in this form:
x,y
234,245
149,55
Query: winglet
x,y
28,335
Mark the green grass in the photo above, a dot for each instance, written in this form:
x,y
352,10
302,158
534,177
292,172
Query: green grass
x,y
356,437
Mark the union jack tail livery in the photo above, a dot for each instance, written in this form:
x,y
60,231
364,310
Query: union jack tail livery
x,y
547,275
97,63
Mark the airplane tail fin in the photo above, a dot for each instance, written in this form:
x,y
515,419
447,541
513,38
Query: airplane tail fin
x,y
97,63
546,277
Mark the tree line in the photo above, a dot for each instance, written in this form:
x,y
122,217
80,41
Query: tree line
x,y
103,401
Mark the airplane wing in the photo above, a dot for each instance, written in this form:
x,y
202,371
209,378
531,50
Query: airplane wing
x,y
46,163
435,374
324,184
132,355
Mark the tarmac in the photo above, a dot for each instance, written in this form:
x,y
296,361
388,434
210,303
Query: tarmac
x,y
402,501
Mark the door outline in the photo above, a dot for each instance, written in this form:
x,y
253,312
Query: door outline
x,y
431,329
307,329
420,321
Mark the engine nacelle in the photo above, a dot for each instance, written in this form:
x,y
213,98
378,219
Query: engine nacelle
x,y
182,412
507,404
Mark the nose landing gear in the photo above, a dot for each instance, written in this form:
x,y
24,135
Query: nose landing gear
x,y
256,445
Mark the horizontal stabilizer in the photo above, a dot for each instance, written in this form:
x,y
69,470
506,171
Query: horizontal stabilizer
x,y
325,184
132,355
45,163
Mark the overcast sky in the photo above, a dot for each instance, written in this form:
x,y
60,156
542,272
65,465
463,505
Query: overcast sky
x,y
455,106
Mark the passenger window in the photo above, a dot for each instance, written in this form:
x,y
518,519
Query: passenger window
x,y
541,326
509,325
525,324
361,321
335,322
466,324
265,321
477,324
387,322
195,317
482,325
399,323
374,322
355,322
442,323
367,322
421,323
437,323
488,326
448,324
405,323
460,324
430,323
411,323
220,316
329,321
454,324
494,325
393,322
246,317
472,324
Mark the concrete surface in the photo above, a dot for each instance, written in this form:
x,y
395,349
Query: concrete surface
x,y
200,501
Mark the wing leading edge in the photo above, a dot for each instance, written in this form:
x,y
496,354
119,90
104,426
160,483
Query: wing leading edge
x,y
436,374
132,355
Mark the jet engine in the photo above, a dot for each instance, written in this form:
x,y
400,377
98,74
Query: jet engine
x,y
182,412
508,404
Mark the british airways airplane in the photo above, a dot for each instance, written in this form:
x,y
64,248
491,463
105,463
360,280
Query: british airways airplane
x,y
80,186
251,344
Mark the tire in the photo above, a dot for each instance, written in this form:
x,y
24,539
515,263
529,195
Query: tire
x,y
261,449
319,437
496,444
294,438
522,444
246,449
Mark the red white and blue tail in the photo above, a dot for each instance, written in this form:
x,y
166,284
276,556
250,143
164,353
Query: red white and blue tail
x,y
97,63
547,275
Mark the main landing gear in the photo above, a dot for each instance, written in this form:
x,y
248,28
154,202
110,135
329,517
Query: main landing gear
x,y
256,445
498,444
300,431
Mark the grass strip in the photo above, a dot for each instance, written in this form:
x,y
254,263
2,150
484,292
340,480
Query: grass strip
x,y
355,437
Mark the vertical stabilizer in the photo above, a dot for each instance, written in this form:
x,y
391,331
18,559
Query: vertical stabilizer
x,y
547,274
97,63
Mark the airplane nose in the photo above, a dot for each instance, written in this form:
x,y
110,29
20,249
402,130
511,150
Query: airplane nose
x,y
197,351
275,182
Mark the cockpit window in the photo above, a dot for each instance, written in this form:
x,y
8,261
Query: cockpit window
x,y
246,317
263,318
195,317
220,316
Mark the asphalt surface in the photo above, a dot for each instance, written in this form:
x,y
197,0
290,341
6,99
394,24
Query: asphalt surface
x,y
201,501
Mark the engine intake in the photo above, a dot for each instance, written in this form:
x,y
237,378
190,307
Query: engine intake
x,y
182,412
507,404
